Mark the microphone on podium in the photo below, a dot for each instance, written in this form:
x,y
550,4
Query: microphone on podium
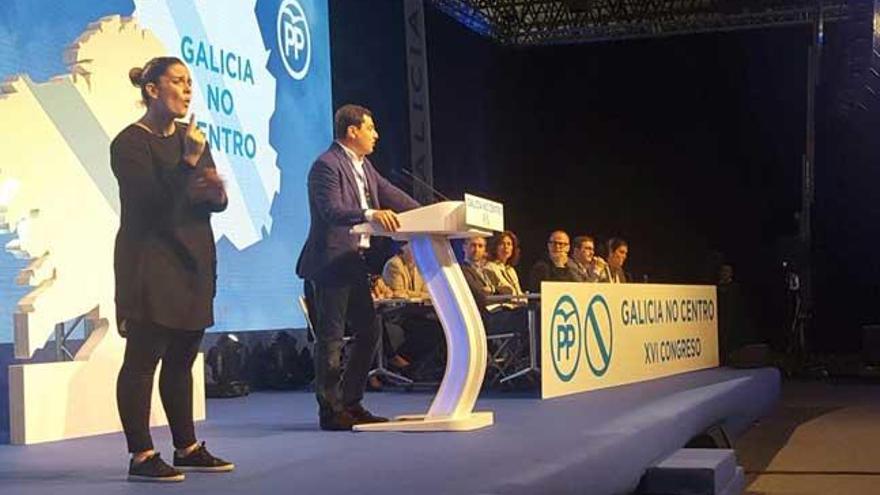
x,y
413,178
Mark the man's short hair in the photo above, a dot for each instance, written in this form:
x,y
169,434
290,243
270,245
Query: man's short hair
x,y
615,243
558,232
348,115
582,239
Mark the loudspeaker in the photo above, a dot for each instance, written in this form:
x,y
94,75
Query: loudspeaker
x,y
751,356
871,344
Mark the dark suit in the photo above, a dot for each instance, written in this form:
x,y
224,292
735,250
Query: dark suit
x,y
480,282
617,275
332,263
585,273
502,319
545,270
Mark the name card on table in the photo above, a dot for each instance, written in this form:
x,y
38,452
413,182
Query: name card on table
x,y
601,335
483,214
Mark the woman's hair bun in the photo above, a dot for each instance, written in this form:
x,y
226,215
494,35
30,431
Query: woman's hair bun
x,y
136,75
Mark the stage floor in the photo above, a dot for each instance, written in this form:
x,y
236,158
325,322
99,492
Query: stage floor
x,y
598,442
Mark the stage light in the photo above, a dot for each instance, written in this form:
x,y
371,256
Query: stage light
x,y
226,362
284,367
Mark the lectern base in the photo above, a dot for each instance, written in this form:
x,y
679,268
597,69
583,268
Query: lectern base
x,y
472,421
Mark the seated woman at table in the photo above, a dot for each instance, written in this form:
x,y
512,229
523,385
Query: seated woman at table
x,y
618,250
503,257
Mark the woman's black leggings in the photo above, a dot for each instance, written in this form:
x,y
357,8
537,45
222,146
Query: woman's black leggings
x,y
146,344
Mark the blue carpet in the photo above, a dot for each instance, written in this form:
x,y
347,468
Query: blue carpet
x,y
595,443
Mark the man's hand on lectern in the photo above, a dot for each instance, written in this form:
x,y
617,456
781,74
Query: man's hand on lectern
x,y
387,219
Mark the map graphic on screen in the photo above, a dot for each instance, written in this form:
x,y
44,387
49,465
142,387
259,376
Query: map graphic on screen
x,y
262,95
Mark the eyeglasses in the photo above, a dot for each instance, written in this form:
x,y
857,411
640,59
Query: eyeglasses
x,y
557,243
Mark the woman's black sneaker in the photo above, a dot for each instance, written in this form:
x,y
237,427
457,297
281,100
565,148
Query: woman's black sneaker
x,y
153,469
202,460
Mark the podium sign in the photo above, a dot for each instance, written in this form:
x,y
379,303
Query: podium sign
x,y
600,335
482,213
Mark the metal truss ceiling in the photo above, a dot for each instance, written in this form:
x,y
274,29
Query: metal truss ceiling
x,y
539,22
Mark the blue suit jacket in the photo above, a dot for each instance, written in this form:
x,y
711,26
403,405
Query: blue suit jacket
x,y
334,207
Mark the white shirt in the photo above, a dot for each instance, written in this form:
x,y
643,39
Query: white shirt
x,y
360,178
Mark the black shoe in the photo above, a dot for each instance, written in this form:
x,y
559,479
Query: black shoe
x,y
153,469
362,416
341,421
201,460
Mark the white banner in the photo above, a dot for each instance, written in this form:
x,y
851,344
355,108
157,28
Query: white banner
x,y
601,335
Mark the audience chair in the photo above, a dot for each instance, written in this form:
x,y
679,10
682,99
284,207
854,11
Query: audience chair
x,y
503,355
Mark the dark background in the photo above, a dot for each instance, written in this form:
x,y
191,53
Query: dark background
x,y
690,147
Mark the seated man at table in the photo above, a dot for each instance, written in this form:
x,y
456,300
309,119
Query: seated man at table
x,y
413,331
556,266
497,317
588,266
402,276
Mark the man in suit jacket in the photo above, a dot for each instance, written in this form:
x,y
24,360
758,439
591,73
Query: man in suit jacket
x,y
412,331
402,276
496,317
556,266
588,267
345,190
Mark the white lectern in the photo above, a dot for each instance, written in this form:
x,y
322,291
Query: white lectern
x,y
428,230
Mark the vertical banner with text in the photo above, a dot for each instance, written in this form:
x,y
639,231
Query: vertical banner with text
x,y
419,101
